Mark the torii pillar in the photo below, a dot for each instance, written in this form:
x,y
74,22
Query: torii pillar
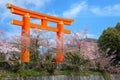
x,y
25,39
26,25
60,42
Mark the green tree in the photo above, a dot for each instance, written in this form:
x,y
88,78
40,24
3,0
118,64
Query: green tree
x,y
110,39
49,63
117,26
73,61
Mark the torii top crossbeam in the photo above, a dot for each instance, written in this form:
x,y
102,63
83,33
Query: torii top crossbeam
x,y
22,12
26,25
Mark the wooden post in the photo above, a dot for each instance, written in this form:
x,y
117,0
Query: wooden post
x,y
25,40
44,22
60,42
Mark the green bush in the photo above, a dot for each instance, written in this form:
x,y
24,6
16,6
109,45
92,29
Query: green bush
x,y
4,65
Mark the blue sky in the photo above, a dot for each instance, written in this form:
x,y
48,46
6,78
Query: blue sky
x,y
95,15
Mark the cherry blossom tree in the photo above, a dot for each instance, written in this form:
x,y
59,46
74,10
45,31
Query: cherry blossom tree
x,y
78,43
6,47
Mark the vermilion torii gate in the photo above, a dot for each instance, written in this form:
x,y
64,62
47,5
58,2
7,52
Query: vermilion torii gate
x,y
26,25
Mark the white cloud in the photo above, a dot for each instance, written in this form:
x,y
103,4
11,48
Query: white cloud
x,y
75,10
108,10
37,3
53,14
113,10
23,3
91,36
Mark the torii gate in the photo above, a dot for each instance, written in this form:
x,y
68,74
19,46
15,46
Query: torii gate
x,y
26,25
